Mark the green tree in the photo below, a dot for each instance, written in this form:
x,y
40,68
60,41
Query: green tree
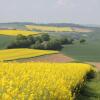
x,y
11,45
53,45
31,39
38,38
64,40
37,45
82,41
45,37
21,37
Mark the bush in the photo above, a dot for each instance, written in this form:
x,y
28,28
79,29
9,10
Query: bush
x,y
21,37
45,37
31,39
91,75
39,42
82,41
65,41
11,45
22,42
53,45
19,44
49,45
38,38
37,45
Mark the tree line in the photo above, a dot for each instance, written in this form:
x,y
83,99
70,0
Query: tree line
x,y
44,42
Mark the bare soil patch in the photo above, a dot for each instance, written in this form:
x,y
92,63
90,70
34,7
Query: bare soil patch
x,y
97,64
59,58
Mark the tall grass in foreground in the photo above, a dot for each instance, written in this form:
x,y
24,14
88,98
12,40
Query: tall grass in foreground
x,y
91,90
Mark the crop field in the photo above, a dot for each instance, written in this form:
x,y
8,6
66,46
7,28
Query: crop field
x,y
41,81
17,32
12,54
86,52
5,40
56,29
49,28
90,51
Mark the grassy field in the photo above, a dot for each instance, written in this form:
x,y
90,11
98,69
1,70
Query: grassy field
x,y
12,54
13,26
17,32
91,91
5,40
90,51
41,81
83,52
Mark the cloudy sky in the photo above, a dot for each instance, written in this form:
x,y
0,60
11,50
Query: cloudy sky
x,y
48,11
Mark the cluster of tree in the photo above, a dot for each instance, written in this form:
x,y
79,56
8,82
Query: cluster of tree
x,y
39,42
82,41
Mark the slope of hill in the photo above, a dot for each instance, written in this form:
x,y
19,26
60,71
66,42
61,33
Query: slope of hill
x,y
84,52
21,24
5,40
90,51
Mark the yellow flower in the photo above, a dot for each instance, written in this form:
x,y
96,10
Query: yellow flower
x,y
36,81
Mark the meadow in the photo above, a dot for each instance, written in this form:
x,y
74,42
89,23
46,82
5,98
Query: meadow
x,y
5,40
49,81
12,54
42,81
17,32
90,51
91,90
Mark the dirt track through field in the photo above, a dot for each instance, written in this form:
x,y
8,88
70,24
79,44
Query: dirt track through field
x,y
59,58
97,64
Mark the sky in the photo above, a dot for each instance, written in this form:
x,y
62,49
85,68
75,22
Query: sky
x,y
50,11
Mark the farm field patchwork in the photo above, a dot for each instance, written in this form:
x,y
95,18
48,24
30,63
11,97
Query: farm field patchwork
x,y
41,81
88,52
56,29
17,32
49,28
12,54
53,58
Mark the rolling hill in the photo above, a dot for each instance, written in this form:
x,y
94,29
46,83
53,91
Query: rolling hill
x,y
81,52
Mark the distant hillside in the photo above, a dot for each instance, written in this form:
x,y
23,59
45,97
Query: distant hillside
x,y
48,24
21,25
12,26
66,25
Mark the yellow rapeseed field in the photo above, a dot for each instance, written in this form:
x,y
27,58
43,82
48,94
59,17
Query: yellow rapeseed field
x,y
17,32
49,28
41,81
11,54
